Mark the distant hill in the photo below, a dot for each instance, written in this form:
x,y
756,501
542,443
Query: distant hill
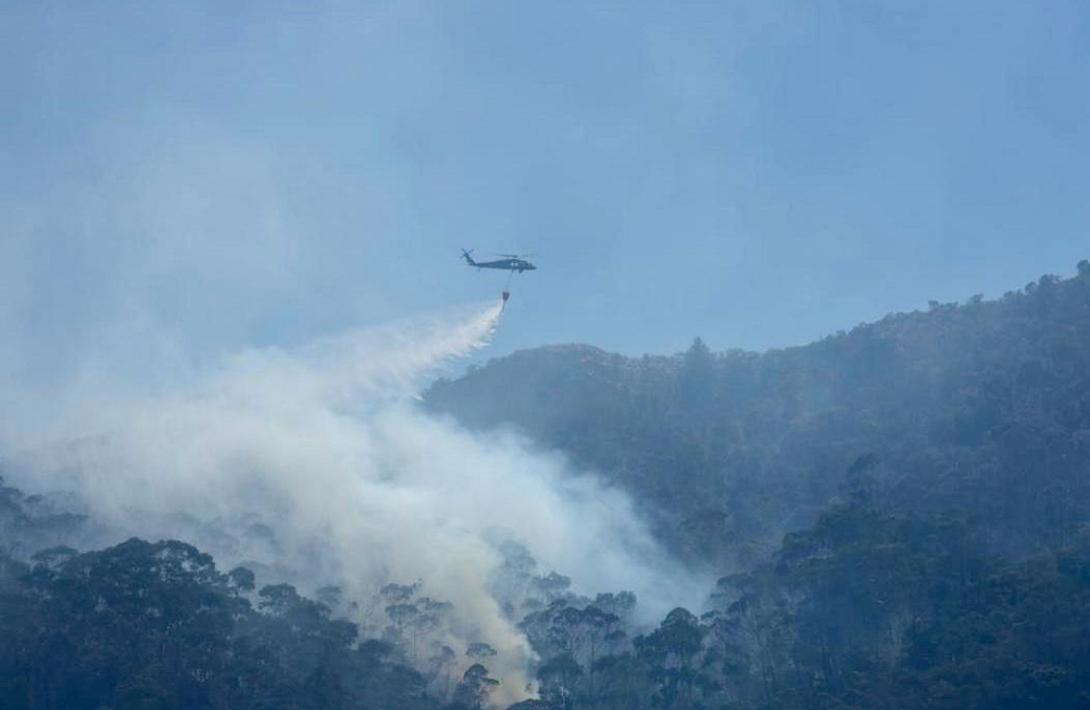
x,y
981,408
899,516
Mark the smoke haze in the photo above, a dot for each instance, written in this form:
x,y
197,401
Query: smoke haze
x,y
316,464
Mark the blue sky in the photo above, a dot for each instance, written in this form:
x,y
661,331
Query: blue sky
x,y
180,180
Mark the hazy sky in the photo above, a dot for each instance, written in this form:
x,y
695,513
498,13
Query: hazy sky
x,y
178,180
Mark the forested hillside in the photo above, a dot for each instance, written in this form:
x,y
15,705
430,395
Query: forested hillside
x,y
982,408
898,516
866,608
144,625
901,512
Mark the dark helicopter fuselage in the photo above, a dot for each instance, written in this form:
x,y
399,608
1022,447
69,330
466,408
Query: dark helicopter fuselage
x,y
508,264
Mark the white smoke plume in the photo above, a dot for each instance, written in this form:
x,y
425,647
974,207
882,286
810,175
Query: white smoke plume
x,y
325,449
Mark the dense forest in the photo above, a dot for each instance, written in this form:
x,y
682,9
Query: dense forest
x,y
982,408
897,516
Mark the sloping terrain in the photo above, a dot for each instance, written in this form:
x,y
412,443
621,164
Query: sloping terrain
x,y
983,408
899,516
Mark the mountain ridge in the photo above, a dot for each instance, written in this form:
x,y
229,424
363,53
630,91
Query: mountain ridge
x,y
937,397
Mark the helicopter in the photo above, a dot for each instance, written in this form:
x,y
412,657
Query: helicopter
x,y
509,262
